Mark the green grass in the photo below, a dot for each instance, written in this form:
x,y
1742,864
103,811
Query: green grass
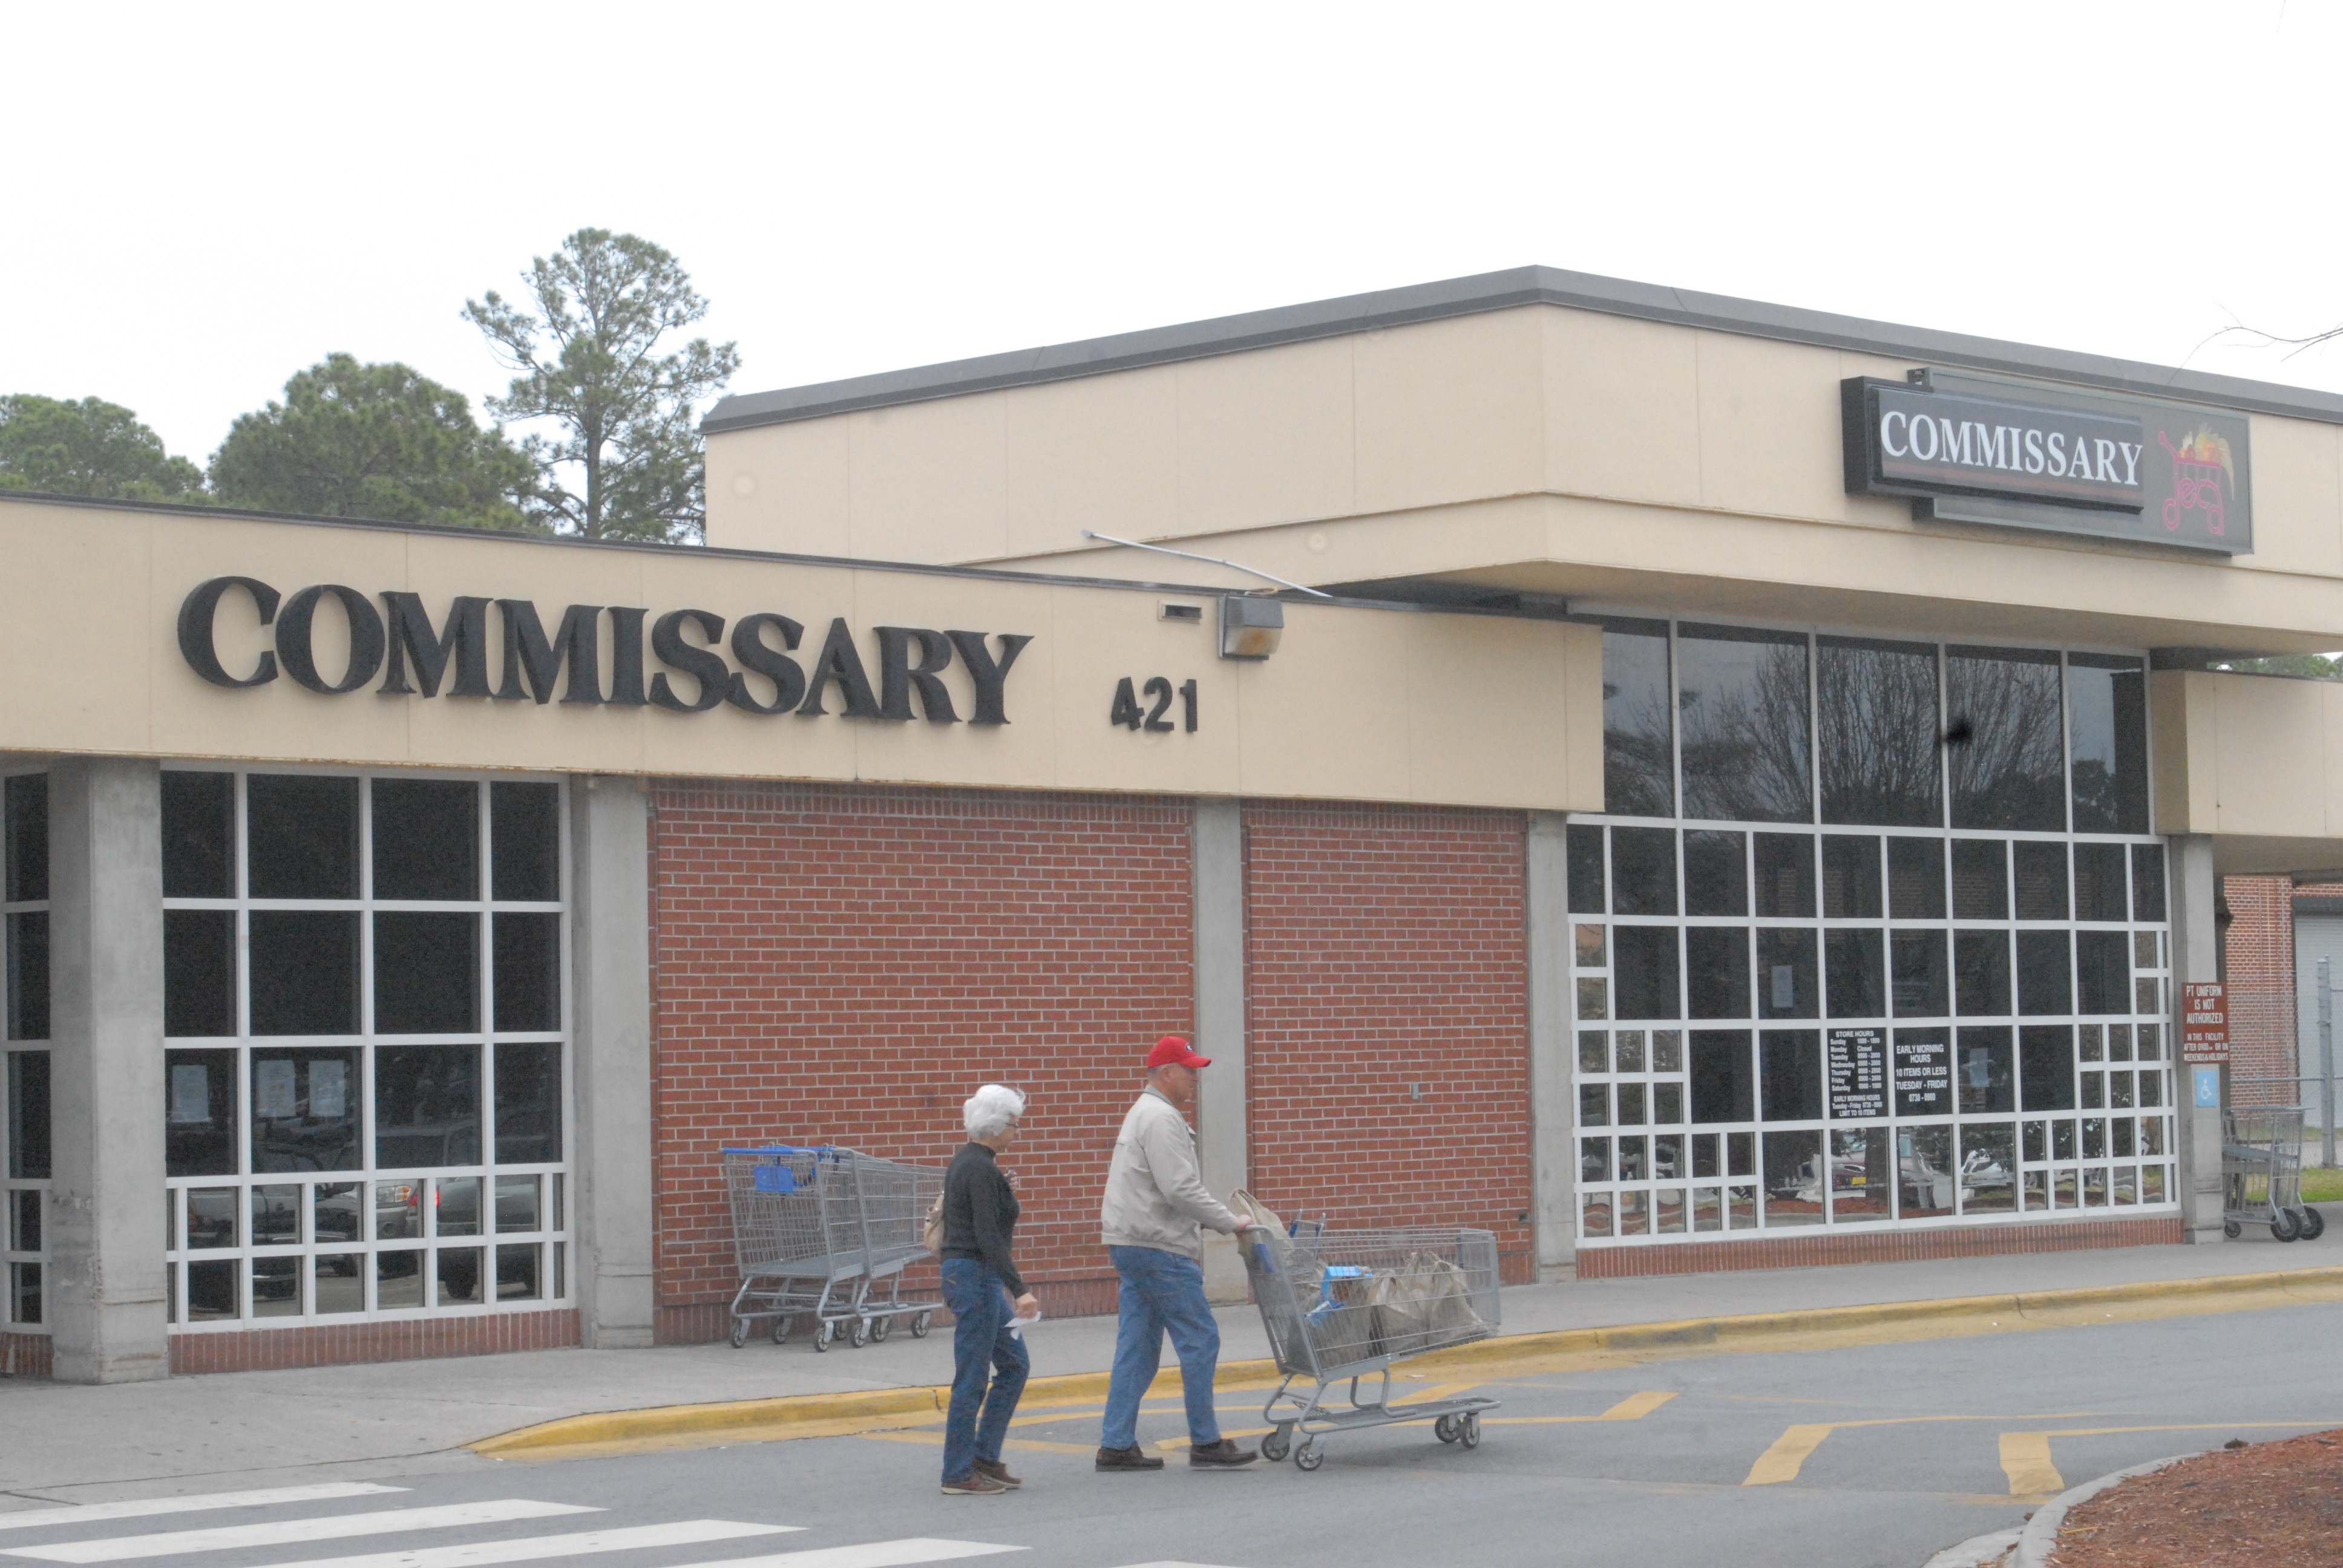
x,y
2320,1186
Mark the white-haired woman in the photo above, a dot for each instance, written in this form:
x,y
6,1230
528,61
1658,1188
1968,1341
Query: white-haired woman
x,y
980,1278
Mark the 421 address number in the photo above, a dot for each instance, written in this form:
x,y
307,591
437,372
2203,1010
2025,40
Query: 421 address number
x,y
1157,693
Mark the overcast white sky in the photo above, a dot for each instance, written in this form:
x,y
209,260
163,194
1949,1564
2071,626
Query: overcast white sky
x,y
200,200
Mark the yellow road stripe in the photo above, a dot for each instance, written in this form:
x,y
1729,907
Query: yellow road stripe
x,y
2025,1455
1780,1462
1634,1407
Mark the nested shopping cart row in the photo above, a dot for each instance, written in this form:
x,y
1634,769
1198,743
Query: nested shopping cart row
x,y
827,1234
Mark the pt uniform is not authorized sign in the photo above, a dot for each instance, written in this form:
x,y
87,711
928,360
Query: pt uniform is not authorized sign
x,y
2204,1023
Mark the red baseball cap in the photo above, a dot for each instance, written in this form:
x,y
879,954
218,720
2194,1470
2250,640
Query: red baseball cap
x,y
1172,1052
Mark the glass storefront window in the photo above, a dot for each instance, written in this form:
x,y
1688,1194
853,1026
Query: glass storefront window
x,y
365,1083
1907,938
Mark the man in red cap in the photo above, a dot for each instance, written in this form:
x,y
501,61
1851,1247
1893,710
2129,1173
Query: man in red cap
x,y
1155,1203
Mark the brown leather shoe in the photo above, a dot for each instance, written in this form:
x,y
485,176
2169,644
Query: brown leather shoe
x,y
1222,1455
1131,1458
975,1483
997,1471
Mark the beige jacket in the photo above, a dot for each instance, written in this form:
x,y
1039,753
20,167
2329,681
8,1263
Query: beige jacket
x,y
1155,1196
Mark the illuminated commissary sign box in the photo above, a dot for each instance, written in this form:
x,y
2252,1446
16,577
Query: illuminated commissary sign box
x,y
1972,448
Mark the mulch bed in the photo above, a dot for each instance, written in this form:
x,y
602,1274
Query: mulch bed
x,y
2265,1505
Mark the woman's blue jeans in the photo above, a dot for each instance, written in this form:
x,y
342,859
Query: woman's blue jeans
x,y
977,1420
1160,1291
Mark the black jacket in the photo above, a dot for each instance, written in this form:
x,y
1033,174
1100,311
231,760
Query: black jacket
x,y
981,1213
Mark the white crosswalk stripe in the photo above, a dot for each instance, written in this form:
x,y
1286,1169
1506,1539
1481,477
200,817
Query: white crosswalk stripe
x,y
904,1553
536,1548
290,1532
147,1507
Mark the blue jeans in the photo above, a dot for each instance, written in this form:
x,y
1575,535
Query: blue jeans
x,y
1161,1291
981,1310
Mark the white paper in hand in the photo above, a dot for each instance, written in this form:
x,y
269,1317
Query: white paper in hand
x,y
1017,1326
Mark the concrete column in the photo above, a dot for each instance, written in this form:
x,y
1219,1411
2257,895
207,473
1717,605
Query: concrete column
x,y
1554,1170
1216,861
2195,891
610,951
105,1069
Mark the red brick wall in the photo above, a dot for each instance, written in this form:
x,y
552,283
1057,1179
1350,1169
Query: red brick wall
x,y
2260,960
841,964
411,1339
1386,947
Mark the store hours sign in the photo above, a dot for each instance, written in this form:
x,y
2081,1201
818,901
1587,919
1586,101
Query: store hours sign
x,y
501,649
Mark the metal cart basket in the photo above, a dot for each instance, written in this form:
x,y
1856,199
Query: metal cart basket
x,y
2261,1172
1342,1305
814,1228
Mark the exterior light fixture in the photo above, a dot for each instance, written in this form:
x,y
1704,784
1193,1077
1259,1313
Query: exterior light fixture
x,y
1250,628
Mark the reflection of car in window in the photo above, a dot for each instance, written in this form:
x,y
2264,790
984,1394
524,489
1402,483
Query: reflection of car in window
x,y
1804,1184
455,1142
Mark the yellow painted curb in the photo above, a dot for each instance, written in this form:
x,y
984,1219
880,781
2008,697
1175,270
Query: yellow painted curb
x,y
772,1418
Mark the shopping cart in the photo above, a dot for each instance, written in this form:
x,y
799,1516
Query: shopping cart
x,y
814,1228
1342,1305
2261,1173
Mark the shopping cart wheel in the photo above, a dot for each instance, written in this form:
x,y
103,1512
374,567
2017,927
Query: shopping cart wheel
x,y
2314,1223
780,1329
823,1335
1277,1445
882,1327
919,1327
1468,1429
1309,1456
2285,1227
1444,1429
2232,1229
861,1332
739,1333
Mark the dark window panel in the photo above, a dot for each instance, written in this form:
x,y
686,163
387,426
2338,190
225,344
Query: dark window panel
x,y
1724,1086
2046,1066
1916,878
1850,876
529,1104
1716,873
1877,723
305,972
1742,695
2107,698
1584,850
2041,881
1785,876
2147,882
1593,1105
1983,1070
1643,871
301,836
1716,970
1786,974
24,840
2006,772
427,973
28,1115
1918,973
198,972
305,1110
1638,752
1980,879
1794,1183
1981,973
2045,983
427,1106
528,972
1989,1168
2102,971
199,1112
1790,1074
427,839
1644,972
525,841
2099,891
28,974
1852,964
198,835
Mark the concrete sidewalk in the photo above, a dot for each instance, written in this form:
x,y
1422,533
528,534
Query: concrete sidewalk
x,y
82,1445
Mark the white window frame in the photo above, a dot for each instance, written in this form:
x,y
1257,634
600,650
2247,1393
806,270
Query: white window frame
x,y
12,1256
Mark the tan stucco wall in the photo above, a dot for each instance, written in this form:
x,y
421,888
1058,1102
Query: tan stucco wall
x,y
1357,704
1547,448
2255,760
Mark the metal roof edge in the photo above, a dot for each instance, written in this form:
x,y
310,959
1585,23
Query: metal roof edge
x,y
1507,290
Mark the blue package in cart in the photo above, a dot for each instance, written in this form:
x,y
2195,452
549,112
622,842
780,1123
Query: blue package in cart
x,y
776,1178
